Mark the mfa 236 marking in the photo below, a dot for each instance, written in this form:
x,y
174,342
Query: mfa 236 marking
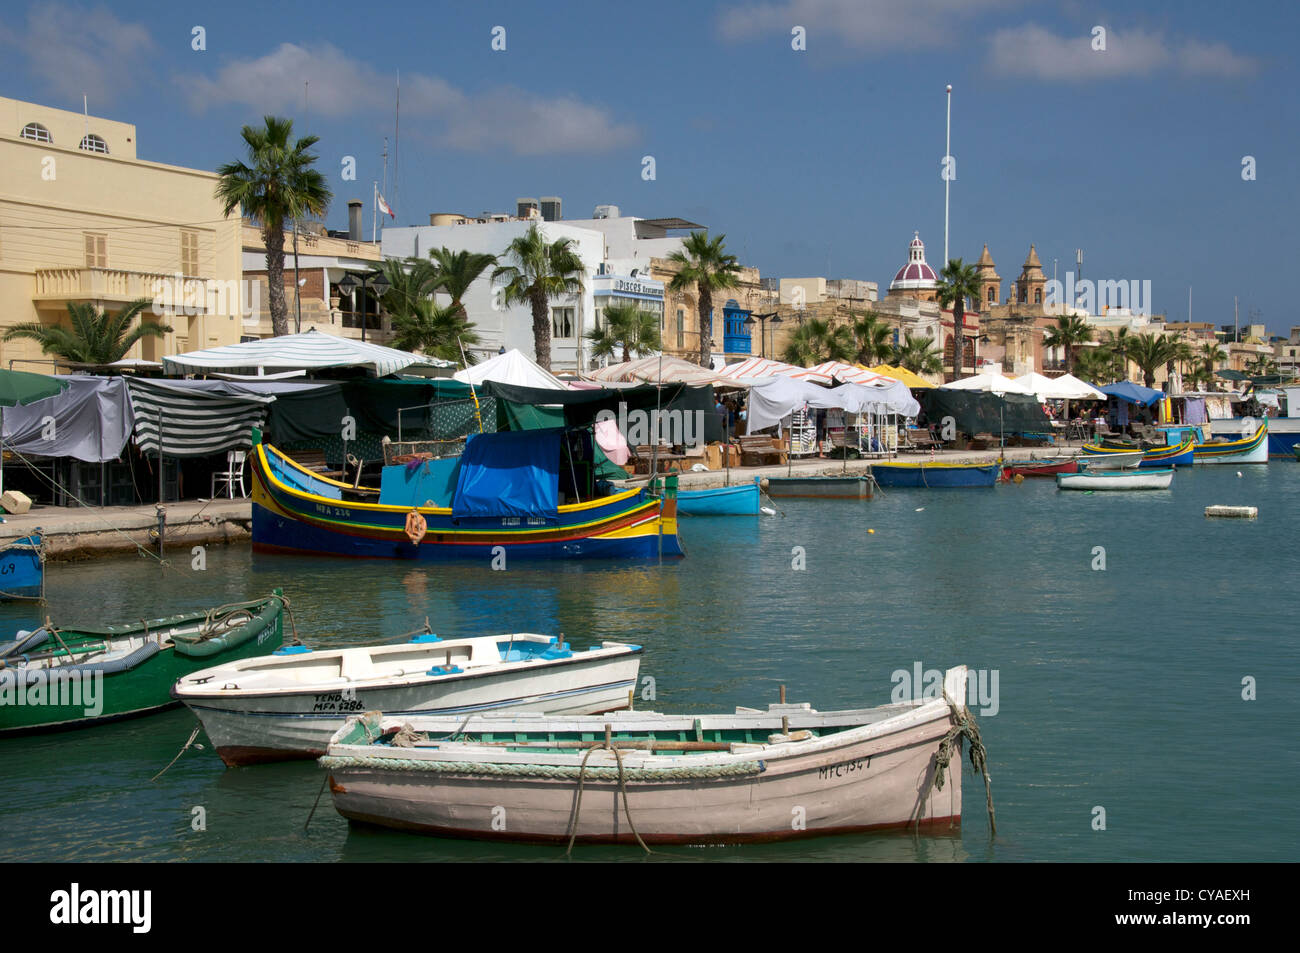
x,y
843,769
335,701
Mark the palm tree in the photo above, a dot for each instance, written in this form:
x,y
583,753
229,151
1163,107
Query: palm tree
x,y
1070,331
539,271
816,341
626,326
873,337
705,265
96,337
1182,354
457,270
410,280
919,355
1095,365
1148,352
278,185
437,331
957,283
1260,365
1211,355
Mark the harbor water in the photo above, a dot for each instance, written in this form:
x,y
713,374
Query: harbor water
x,y
1138,661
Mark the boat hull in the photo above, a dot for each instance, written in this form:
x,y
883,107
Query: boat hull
x,y
875,777
1252,449
1283,432
22,569
820,487
1117,480
280,727
742,500
1047,469
1098,458
935,475
632,525
82,701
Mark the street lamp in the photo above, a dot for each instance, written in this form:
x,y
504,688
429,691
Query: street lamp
x,y
375,281
761,320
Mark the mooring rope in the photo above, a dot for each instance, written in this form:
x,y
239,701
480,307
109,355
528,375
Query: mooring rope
x,y
622,787
193,734
963,725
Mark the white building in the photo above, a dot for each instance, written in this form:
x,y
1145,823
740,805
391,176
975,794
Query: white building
x,y
615,251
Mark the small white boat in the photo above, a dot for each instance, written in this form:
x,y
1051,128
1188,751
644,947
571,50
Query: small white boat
x,y
287,705
787,772
1112,460
1116,480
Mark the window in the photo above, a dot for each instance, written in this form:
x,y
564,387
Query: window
x,y
189,252
1038,296
36,132
93,143
993,297
96,250
562,323
681,327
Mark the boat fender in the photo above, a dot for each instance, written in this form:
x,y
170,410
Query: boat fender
x,y
111,667
416,526
24,640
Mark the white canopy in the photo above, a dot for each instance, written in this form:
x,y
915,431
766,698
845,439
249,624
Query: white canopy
x,y
761,367
1065,387
311,350
867,399
989,382
512,367
665,370
775,398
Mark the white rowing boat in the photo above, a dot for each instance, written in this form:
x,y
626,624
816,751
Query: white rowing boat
x,y
288,705
1116,480
787,772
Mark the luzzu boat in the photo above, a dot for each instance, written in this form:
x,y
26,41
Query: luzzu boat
x,y
787,772
935,475
1179,454
501,497
288,705
52,678
1252,449
740,500
22,568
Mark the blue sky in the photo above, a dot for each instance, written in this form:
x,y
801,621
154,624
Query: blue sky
x,y
814,162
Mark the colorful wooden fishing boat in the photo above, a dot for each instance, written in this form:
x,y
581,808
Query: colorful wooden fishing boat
x,y
1157,457
1135,479
1097,457
784,773
935,475
1252,449
53,678
739,500
1039,468
288,705
820,487
500,497
22,568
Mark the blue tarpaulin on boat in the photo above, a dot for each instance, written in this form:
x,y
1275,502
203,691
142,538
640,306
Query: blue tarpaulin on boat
x,y
510,474
1133,393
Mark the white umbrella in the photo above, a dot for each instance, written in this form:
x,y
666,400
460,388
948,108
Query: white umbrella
x,y
990,383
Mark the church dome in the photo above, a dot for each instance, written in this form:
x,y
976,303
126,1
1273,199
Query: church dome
x,y
916,275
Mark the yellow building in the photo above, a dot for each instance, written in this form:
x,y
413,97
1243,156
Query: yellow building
x,y
83,220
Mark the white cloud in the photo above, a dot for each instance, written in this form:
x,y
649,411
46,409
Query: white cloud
x,y
857,24
521,122
1035,52
76,50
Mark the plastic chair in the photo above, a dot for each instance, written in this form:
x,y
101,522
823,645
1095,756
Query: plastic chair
x,y
234,473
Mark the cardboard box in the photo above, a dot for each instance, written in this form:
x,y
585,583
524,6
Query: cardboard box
x,y
15,501
713,456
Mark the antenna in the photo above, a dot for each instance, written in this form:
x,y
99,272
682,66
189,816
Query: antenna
x,y
397,130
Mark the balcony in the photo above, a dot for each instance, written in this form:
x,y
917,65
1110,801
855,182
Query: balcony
x,y
117,286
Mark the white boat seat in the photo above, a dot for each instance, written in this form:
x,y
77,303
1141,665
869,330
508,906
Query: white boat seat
x,y
357,666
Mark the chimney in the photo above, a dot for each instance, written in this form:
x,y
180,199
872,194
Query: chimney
x,y
354,220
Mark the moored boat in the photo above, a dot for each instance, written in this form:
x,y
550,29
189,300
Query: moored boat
x,y
1096,457
501,496
787,772
1039,468
22,568
1179,455
739,500
820,487
935,475
1116,480
287,705
54,678
1252,449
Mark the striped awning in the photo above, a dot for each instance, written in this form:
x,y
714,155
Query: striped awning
x,y
310,350
194,422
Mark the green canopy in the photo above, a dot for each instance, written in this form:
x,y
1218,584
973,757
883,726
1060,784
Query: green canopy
x,y
20,387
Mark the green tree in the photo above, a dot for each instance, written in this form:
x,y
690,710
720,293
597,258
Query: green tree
x,y
1096,365
958,283
410,280
457,270
1148,352
276,186
816,341
1070,332
96,337
919,355
704,264
1211,356
873,338
627,327
1261,365
538,271
1117,345
435,330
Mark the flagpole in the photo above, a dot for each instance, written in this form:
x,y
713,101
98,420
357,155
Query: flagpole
x,y
374,215
947,179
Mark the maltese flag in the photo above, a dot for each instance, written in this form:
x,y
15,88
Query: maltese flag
x,y
383,206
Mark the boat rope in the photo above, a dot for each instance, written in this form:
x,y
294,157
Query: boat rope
x,y
963,725
58,638
622,787
316,803
193,734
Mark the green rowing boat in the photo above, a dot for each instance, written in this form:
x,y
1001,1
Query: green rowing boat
x,y
53,679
